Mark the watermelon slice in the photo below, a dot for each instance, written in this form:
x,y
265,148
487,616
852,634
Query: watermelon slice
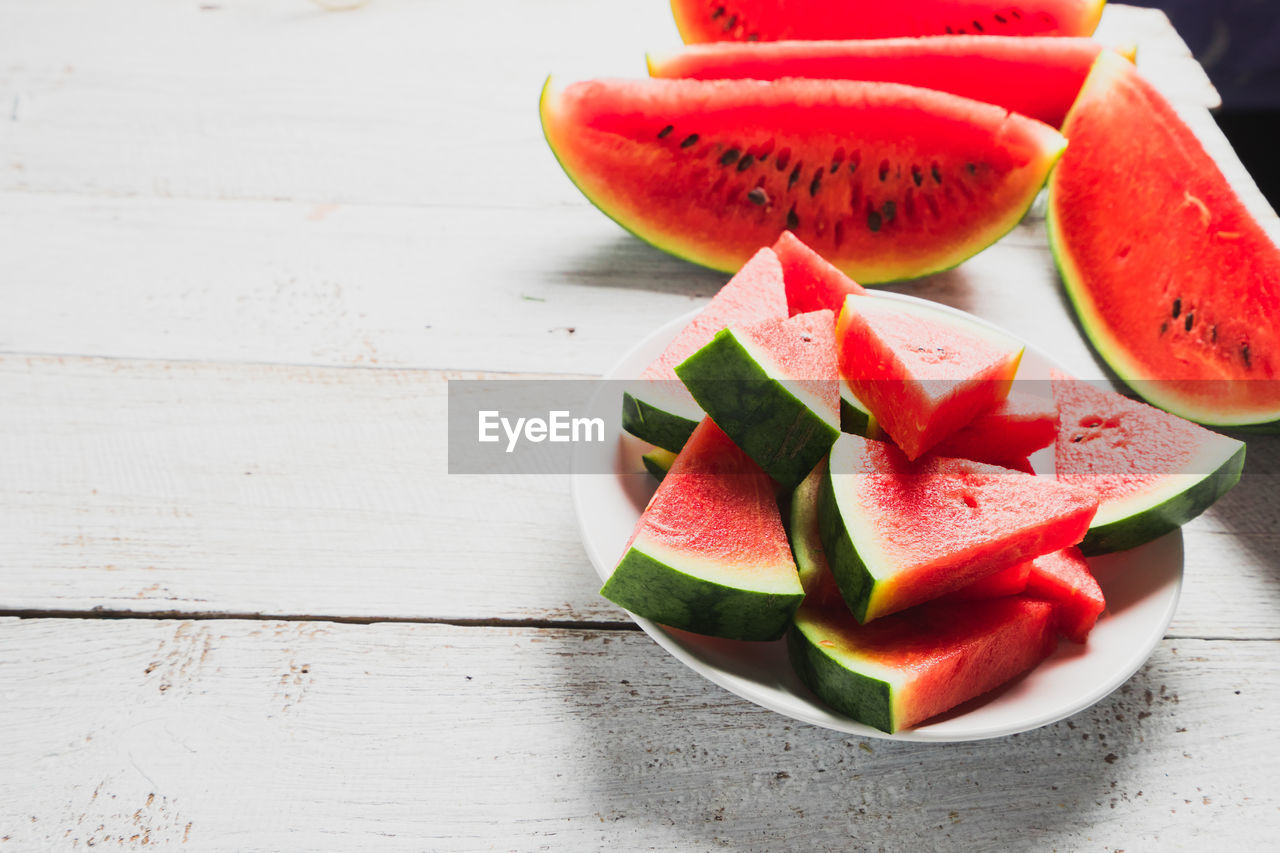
x,y
1175,283
1063,579
773,388
1036,76
1007,433
811,283
762,20
709,554
1010,581
921,371
898,532
1152,471
883,180
903,669
658,409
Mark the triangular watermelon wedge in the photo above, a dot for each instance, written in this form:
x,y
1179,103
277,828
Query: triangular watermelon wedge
x,y
812,284
657,408
1152,471
898,532
922,372
709,554
1063,579
773,388
1005,434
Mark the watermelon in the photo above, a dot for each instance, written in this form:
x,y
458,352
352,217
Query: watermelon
x,y
901,670
898,532
811,283
885,181
762,20
1007,433
1063,579
658,462
658,409
1010,581
1152,471
1036,76
1174,282
773,388
921,371
709,554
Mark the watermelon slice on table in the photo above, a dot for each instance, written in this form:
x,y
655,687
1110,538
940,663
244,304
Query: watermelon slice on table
x,y
709,554
898,532
921,371
899,671
1174,281
812,284
773,388
658,409
1035,76
1063,579
769,20
1007,433
885,181
1152,471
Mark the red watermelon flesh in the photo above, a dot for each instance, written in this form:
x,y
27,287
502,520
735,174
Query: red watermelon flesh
x,y
899,671
923,373
1174,281
1063,578
768,20
811,283
1035,76
1010,581
883,180
898,532
1007,433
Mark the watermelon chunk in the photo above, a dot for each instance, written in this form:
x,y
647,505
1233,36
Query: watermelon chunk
x,y
811,283
762,20
658,409
773,388
1037,76
1152,471
883,180
898,532
1010,581
1174,281
922,372
1063,579
1007,433
901,670
709,554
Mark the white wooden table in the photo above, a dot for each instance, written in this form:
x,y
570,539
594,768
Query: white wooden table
x,y
243,606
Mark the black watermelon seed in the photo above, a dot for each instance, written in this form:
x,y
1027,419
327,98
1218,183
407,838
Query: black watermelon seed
x,y
816,183
1016,14
784,157
977,26
793,221
795,176
666,131
1213,334
729,156
884,169
1191,318
1077,438
853,166
937,173
890,211
717,12
689,141
917,175
753,37
758,196
1001,19
873,220
745,162
949,30
1164,327
1177,308
1244,354
731,23
973,170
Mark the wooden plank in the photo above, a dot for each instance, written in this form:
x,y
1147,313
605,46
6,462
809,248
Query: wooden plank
x,y
391,103
306,736
223,488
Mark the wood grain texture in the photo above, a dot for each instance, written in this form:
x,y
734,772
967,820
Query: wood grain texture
x,y
301,491
262,736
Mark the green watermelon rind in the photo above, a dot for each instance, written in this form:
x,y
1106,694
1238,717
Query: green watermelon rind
x,y
810,561
866,699
1162,510
854,417
652,423
748,397
657,590
853,577
658,462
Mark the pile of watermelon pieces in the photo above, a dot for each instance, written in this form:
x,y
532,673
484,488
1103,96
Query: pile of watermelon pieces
x,y
850,470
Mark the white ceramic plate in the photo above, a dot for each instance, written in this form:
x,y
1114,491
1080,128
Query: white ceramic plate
x,y
1141,587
